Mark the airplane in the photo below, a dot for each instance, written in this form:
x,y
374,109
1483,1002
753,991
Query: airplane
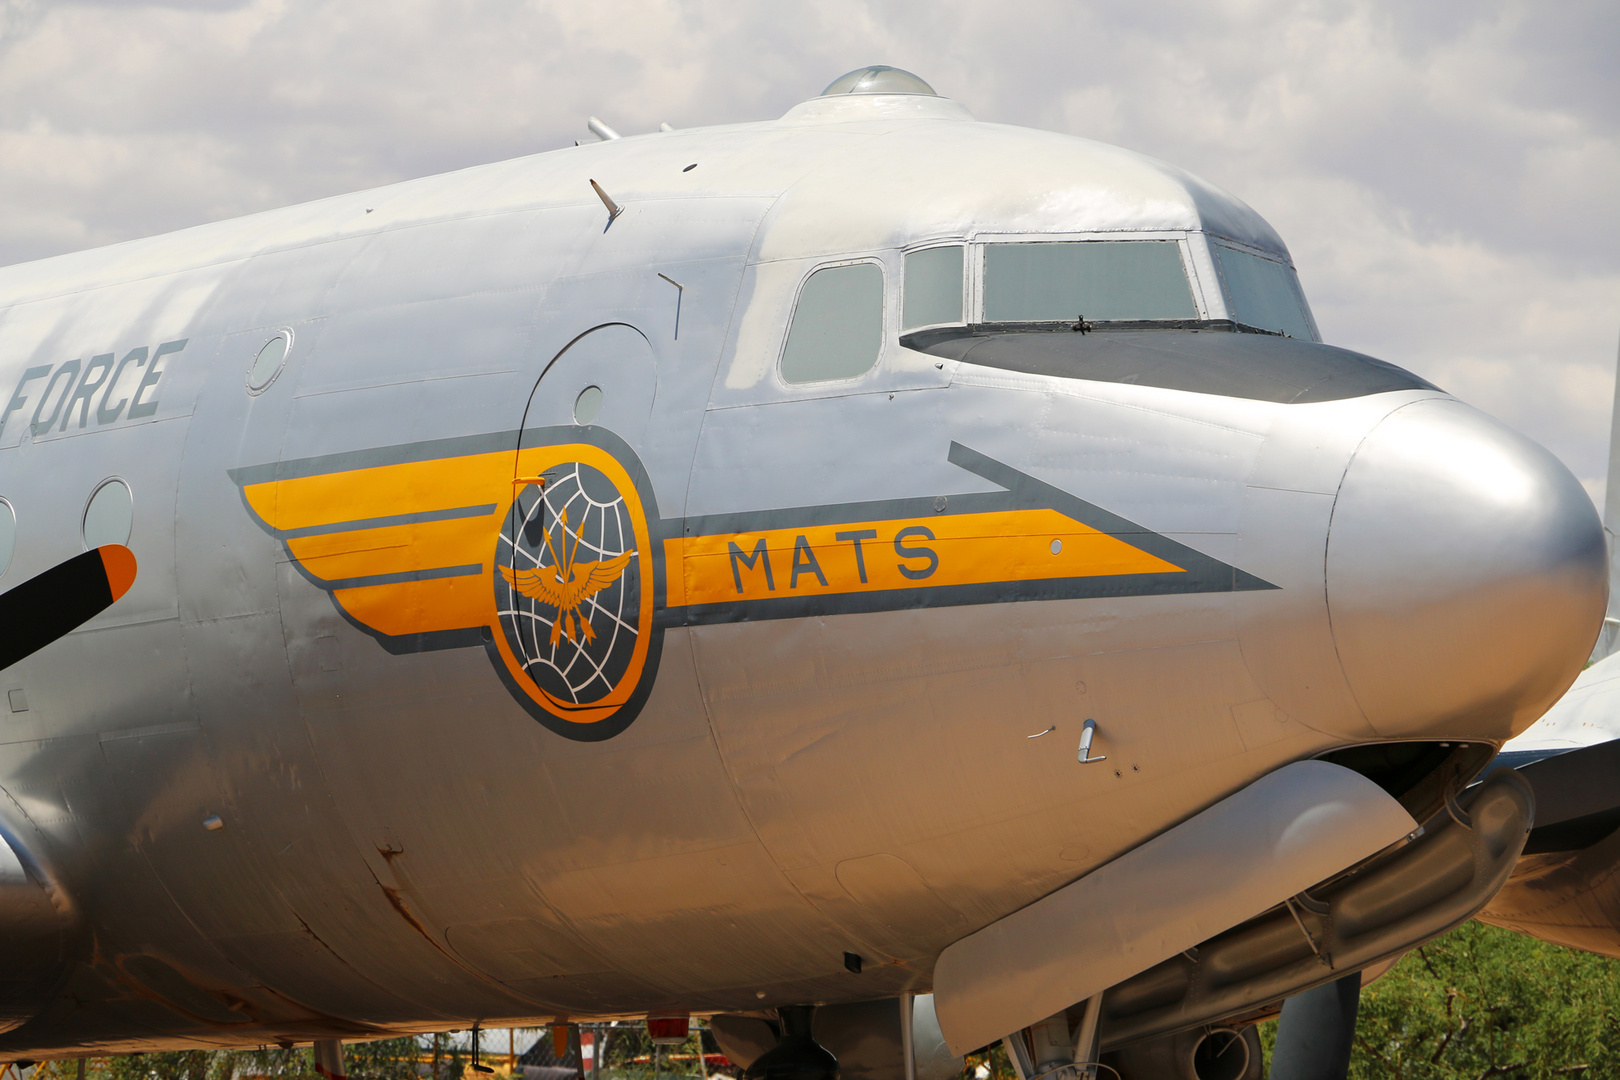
x,y
1564,889
885,582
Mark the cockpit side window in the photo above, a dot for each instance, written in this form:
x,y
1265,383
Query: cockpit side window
x,y
837,327
1091,279
933,287
1263,293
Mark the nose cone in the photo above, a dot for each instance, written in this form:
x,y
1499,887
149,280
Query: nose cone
x,y
1466,575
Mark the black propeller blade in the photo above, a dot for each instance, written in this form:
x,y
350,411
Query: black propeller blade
x,y
1316,1032
47,606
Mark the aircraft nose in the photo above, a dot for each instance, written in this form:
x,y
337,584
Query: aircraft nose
x,y
1466,575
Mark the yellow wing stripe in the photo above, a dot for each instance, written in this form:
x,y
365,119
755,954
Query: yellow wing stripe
x,y
967,549
419,607
1027,545
388,492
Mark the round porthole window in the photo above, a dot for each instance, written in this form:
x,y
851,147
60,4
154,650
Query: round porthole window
x,y
8,534
108,515
267,364
588,406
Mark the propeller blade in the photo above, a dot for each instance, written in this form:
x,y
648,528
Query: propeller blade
x,y
1316,1032
49,605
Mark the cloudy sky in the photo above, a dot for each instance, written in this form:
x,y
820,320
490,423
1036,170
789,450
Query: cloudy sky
x,y
1447,173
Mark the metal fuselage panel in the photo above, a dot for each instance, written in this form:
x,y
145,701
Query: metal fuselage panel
x,y
404,846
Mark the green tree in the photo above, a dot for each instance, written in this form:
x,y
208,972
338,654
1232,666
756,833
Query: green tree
x,y
1483,1002
164,1065
273,1064
385,1059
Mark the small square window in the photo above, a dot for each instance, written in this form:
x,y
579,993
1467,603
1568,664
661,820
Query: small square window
x,y
933,287
837,328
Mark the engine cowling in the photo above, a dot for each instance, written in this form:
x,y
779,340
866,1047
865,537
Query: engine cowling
x,y
1220,1053
37,932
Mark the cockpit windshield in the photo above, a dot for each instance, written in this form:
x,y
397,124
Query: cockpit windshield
x,y
1092,279
1263,293
1137,281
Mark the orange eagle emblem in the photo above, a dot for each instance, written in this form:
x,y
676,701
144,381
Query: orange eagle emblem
x,y
567,584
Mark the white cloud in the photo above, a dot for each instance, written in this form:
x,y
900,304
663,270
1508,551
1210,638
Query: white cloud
x,y
1445,173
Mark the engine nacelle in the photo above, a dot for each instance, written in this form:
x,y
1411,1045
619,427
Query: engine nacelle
x,y
1383,907
38,928
1221,1053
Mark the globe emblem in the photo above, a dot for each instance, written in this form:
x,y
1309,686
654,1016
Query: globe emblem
x,y
568,584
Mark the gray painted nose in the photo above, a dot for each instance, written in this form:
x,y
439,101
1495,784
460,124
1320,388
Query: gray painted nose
x,y
1466,575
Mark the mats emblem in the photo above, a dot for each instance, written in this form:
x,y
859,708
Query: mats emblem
x,y
569,585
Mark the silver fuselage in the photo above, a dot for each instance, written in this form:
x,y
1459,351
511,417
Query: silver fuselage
x,y
407,845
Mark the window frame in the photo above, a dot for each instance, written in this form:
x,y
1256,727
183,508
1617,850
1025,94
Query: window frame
x,y
1183,239
887,319
969,277
84,515
1214,240
255,389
